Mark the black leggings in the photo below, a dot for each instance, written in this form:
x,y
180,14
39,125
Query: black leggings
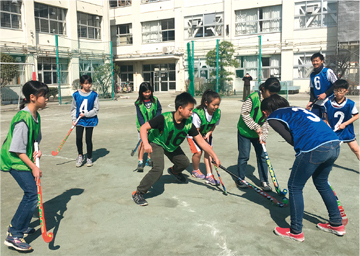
x,y
88,139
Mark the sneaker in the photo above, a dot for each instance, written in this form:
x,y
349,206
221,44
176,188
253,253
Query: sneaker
x,y
89,162
211,180
79,161
198,174
27,232
241,184
265,186
17,243
140,167
148,162
340,231
139,199
285,232
179,176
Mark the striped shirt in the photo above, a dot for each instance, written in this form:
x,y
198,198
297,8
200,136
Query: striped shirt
x,y
249,121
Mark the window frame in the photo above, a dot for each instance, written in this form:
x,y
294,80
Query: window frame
x,y
128,36
190,31
60,23
96,29
258,21
52,62
11,14
159,32
120,3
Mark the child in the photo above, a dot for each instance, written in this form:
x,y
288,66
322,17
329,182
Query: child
x,y
252,127
340,113
169,131
147,107
85,103
205,117
18,157
317,147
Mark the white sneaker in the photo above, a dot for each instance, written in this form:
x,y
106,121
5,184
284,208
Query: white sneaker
x,y
89,162
265,186
79,161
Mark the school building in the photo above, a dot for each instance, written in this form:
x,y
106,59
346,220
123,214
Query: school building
x,y
149,38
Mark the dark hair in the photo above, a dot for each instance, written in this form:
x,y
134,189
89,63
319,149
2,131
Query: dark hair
x,y
261,87
318,54
144,86
341,83
274,102
183,99
272,84
35,88
85,78
208,96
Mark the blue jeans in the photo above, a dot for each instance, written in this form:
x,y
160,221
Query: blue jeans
x,y
244,146
21,220
318,110
318,164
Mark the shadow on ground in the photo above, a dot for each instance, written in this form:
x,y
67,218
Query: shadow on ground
x,y
54,212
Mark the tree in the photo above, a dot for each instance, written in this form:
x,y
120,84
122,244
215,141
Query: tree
x,y
226,52
8,71
102,79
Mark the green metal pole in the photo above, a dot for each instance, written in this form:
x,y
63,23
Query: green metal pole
x,y
193,66
259,79
57,67
190,70
112,72
217,65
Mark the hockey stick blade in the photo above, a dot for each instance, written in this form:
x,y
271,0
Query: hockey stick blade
x,y
54,153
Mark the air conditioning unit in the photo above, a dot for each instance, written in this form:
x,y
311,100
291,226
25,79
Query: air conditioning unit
x,y
168,49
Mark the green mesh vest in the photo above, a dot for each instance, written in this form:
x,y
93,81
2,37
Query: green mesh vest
x,y
170,138
255,114
147,113
10,160
206,126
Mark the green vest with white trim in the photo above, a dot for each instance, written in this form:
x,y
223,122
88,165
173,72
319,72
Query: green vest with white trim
x,y
206,126
10,160
171,137
147,113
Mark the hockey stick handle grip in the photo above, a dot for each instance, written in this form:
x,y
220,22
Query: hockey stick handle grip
x,y
36,148
76,121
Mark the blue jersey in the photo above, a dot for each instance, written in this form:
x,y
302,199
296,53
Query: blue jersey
x,y
85,104
307,129
340,113
321,82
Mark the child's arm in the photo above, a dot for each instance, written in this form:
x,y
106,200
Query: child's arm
x,y
36,172
326,120
143,135
139,116
159,109
207,148
95,110
245,113
207,136
351,120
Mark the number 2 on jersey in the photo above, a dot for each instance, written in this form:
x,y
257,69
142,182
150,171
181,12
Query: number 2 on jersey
x,y
341,119
311,116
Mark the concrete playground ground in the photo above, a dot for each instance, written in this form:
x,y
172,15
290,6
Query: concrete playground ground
x,y
90,210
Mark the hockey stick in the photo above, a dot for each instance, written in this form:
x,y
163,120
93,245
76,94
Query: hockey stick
x,y
258,190
222,184
272,173
134,150
47,237
341,209
54,153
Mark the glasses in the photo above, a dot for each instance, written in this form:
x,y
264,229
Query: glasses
x,y
343,91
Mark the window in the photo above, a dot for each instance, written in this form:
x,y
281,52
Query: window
x,y
150,1
49,19
127,74
315,14
10,14
119,3
89,26
47,70
158,31
88,67
161,76
201,69
270,66
204,25
122,34
259,20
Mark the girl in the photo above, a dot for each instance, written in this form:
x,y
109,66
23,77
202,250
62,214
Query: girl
x,y
147,107
18,157
205,117
85,103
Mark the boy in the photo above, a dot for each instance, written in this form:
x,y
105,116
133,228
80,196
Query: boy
x,y
252,127
317,147
340,113
169,131
321,84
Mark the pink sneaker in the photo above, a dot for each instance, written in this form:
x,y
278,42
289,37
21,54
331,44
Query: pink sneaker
x,y
340,231
285,232
198,174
